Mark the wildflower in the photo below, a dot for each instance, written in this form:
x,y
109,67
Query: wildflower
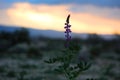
x,y
68,31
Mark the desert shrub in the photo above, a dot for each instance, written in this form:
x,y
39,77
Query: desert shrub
x,y
9,39
5,35
2,69
117,50
94,39
19,48
5,40
11,74
106,72
21,36
28,66
4,45
34,52
95,51
21,75
38,78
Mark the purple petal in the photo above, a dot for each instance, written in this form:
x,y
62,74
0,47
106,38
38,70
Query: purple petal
x,y
69,25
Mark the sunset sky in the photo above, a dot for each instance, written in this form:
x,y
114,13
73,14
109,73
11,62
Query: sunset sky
x,y
87,16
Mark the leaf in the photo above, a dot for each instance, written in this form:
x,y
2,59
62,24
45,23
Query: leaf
x,y
50,61
75,74
91,79
46,61
87,66
84,65
58,70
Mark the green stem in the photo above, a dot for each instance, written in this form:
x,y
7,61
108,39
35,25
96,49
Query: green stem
x,y
66,75
65,71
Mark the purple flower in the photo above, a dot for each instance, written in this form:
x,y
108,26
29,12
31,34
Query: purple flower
x,y
67,31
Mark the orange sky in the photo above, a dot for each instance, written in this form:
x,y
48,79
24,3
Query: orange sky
x,y
92,20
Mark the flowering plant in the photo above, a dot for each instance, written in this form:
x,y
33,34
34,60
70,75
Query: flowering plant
x,y
67,66
68,31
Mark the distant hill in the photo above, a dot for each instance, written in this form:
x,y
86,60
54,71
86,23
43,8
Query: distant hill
x,y
36,32
48,33
8,28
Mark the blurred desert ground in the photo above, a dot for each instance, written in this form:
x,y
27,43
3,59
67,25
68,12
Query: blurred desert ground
x,y
22,57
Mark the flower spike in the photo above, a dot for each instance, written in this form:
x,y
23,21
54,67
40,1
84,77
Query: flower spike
x,y
67,31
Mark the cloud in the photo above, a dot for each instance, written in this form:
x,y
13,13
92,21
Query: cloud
x,y
83,20
37,16
101,3
4,18
97,11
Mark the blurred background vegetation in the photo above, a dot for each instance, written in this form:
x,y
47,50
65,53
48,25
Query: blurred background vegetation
x,y
22,57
